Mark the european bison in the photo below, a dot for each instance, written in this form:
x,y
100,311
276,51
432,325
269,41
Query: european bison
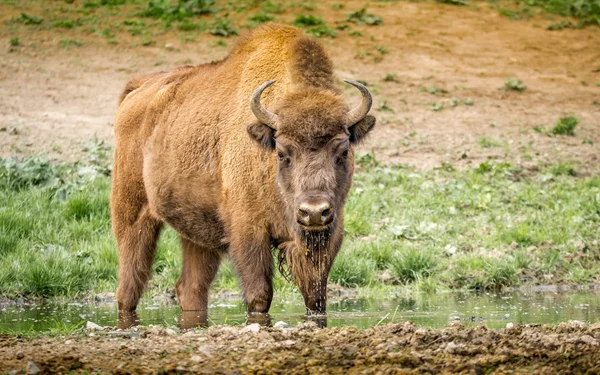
x,y
237,166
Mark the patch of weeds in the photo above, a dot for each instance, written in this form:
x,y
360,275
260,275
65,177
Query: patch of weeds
x,y
304,20
390,77
384,106
560,25
68,43
26,19
183,9
222,27
105,33
488,142
258,18
14,42
514,84
456,102
566,126
382,50
519,14
352,269
187,25
434,90
563,169
355,33
321,31
453,2
303,5
361,17
540,130
66,24
314,26
587,141
148,42
337,6
220,43
412,265
435,106
272,7
587,12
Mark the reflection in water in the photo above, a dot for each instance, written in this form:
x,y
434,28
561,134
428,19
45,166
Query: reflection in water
x,y
127,319
493,310
260,318
193,319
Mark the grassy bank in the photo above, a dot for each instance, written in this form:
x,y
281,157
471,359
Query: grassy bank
x,y
492,226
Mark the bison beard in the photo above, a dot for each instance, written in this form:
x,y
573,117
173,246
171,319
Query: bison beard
x,y
196,149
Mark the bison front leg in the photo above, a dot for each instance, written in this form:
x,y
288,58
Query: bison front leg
x,y
200,266
253,261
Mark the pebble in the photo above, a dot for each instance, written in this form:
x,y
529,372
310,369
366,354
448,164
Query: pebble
x,y
20,355
510,325
252,328
91,326
32,368
196,358
206,350
68,342
169,46
280,325
170,332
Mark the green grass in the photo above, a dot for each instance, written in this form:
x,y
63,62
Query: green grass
x,y
488,227
566,126
514,84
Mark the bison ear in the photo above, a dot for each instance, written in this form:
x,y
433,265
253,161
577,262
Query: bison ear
x,y
263,134
359,130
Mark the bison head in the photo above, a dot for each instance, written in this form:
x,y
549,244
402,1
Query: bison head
x,y
312,134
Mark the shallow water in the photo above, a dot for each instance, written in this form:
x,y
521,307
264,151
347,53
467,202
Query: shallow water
x,y
493,310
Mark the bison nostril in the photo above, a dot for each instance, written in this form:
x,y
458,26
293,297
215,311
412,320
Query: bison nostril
x,y
303,213
326,213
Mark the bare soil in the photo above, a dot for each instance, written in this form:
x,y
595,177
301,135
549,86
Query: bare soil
x,y
54,98
570,348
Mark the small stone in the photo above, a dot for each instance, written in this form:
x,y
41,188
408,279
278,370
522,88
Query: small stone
x,y
91,326
280,325
68,342
170,332
576,324
196,358
32,368
253,328
205,350
288,343
510,325
169,46
20,355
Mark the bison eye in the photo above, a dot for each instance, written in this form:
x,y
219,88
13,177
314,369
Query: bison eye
x,y
280,156
343,157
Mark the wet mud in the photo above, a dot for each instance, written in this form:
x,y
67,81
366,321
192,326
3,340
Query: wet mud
x,y
401,348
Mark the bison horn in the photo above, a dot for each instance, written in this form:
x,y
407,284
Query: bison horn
x,y
262,114
363,108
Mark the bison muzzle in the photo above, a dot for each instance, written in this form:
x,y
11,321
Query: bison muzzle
x,y
241,156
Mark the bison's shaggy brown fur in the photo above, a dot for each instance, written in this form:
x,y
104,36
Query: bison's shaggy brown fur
x,y
191,153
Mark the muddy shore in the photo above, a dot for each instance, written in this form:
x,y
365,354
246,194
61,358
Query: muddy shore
x,y
569,348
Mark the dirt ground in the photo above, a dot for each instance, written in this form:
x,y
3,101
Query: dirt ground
x,y
55,98
570,348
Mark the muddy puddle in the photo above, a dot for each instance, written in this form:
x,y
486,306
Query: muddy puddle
x,y
493,310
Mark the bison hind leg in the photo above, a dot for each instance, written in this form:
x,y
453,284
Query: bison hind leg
x,y
137,246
